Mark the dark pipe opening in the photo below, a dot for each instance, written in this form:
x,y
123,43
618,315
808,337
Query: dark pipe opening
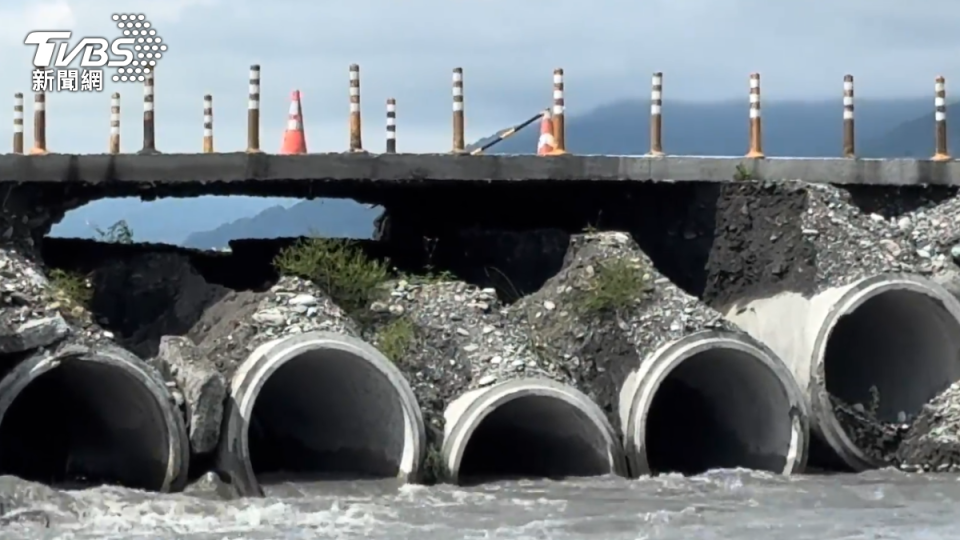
x,y
326,414
719,409
84,424
534,437
901,342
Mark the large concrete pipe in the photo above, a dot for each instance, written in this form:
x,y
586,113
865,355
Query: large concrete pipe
x,y
319,405
898,333
712,400
81,416
528,428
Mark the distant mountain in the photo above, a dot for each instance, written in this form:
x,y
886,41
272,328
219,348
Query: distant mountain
x,y
333,218
915,138
799,129
885,128
167,221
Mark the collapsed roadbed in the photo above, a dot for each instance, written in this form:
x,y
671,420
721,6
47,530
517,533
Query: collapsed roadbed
x,y
479,352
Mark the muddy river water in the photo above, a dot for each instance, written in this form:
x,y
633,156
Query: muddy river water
x,y
720,504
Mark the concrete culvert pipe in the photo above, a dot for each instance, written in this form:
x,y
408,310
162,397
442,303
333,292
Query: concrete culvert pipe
x,y
319,405
713,400
528,428
899,334
79,417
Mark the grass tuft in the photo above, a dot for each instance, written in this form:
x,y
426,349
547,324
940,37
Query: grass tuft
x,y
743,174
395,338
339,267
617,285
71,287
433,470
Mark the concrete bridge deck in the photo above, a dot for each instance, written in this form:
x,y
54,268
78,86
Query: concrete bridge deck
x,y
171,169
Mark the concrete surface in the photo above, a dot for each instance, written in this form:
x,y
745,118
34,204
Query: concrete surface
x,y
528,427
757,406
900,333
317,402
100,409
205,168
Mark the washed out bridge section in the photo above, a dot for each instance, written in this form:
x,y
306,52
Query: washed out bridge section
x,y
362,176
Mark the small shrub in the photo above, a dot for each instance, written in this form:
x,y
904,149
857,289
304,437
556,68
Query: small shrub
x,y
433,470
395,338
742,174
71,287
617,285
337,266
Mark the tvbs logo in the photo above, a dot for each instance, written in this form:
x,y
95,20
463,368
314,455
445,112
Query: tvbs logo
x,y
135,54
96,51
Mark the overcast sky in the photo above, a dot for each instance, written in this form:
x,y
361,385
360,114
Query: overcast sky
x,y
508,48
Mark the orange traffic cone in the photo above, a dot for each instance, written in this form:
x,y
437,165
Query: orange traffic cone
x,y
547,145
294,139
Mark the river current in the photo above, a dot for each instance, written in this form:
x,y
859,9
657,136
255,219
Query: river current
x,y
721,504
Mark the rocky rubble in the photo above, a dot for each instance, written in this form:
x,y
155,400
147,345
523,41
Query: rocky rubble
x,y
606,310
33,314
449,337
851,244
227,327
804,238
203,388
931,441
927,442
924,241
226,337
792,236
934,231
877,438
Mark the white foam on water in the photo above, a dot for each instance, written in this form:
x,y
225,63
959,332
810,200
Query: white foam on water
x,y
721,504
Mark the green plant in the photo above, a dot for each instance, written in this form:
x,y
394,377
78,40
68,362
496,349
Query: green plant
x,y
428,276
118,233
395,338
433,470
339,267
71,286
742,174
616,285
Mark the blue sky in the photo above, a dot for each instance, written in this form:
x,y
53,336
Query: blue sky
x,y
508,49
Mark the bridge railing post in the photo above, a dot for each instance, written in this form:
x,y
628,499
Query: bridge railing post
x,y
656,119
39,124
559,108
942,152
18,123
149,124
356,138
114,146
391,126
459,140
849,135
756,127
253,110
208,124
